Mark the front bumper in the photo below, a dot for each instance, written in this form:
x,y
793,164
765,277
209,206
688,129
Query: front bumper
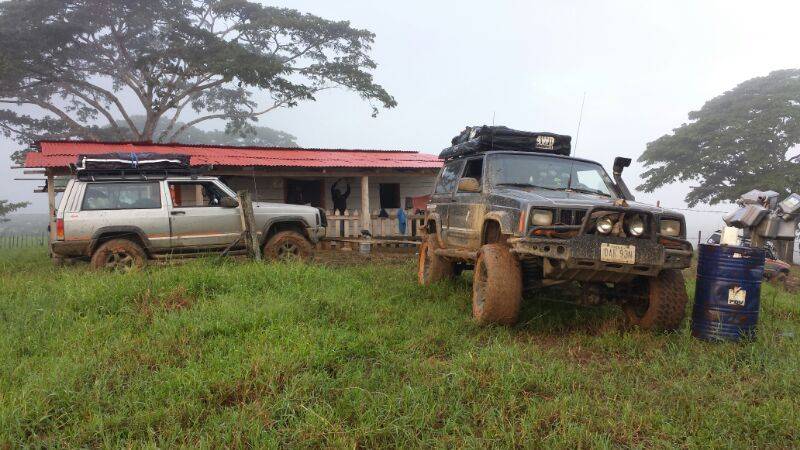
x,y
579,257
316,234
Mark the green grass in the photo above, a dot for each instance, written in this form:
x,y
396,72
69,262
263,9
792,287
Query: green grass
x,y
243,354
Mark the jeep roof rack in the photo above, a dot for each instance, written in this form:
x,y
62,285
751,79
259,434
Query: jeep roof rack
x,y
133,166
486,138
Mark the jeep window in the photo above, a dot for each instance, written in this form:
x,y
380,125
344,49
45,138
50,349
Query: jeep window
x,y
544,172
474,169
449,177
109,196
195,194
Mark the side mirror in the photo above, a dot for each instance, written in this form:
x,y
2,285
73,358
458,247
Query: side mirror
x,y
469,185
228,202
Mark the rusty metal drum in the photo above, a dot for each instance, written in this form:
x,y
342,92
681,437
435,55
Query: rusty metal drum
x,y
727,295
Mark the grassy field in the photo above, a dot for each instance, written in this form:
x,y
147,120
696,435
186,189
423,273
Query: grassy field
x,y
243,354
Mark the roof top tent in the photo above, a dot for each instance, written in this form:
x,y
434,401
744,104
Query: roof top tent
x,y
499,138
378,179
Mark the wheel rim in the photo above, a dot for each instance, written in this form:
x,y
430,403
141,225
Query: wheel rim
x,y
480,285
288,250
120,260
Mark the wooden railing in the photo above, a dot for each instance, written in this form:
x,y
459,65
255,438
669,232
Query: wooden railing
x,y
348,225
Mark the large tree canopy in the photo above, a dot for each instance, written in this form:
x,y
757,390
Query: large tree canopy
x,y
84,68
738,141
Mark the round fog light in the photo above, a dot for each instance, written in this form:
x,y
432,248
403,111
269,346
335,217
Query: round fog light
x,y
636,226
605,224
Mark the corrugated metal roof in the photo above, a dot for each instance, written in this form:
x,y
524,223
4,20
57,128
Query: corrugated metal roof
x,y
64,153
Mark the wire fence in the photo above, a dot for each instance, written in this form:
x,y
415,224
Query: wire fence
x,y
20,240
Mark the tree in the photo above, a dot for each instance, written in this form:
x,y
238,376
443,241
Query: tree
x,y
7,208
259,137
256,136
83,68
738,141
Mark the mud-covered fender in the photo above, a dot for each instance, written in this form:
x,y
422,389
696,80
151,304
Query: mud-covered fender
x,y
118,231
507,221
435,219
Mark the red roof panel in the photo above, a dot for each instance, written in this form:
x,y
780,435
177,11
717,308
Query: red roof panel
x,y
64,153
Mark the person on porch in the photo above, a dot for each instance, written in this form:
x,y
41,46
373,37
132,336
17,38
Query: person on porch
x,y
339,198
340,202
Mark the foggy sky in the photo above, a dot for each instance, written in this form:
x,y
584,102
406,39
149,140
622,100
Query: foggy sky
x,y
643,66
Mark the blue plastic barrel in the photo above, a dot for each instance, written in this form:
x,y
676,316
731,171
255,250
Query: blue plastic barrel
x,y
727,296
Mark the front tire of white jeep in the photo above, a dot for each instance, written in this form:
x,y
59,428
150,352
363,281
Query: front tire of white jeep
x,y
287,246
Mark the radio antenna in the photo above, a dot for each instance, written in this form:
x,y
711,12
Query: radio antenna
x,y
578,132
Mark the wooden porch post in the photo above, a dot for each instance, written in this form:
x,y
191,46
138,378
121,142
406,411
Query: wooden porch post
x,y
366,217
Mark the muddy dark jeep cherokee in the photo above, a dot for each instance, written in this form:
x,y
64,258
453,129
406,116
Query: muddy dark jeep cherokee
x,y
524,215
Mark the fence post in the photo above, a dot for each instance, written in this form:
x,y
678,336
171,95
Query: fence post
x,y
249,224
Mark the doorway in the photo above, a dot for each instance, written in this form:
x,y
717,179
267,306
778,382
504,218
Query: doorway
x,y
305,192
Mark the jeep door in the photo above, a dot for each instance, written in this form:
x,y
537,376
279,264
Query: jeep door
x,y
197,217
136,207
467,210
443,194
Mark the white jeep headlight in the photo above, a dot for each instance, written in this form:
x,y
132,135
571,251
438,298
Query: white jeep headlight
x,y
605,224
541,217
670,227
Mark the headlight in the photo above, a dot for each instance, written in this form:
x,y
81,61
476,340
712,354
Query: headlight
x,y
541,217
636,226
670,227
605,224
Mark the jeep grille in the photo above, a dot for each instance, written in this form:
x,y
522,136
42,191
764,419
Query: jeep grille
x,y
570,216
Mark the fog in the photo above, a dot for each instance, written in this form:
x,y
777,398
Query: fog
x,y
642,66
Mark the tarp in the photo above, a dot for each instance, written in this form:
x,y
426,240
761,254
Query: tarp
x,y
499,138
145,162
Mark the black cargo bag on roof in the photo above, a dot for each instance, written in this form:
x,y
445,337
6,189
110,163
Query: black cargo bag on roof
x,y
133,162
500,138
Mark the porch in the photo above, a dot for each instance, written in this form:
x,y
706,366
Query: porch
x,y
383,194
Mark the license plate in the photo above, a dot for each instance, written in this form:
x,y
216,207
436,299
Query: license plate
x,y
615,253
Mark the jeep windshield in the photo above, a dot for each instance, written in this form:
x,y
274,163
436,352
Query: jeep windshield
x,y
549,173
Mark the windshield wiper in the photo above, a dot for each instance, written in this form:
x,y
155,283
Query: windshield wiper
x,y
536,186
589,191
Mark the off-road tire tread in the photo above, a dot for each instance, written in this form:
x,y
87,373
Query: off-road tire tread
x,y
439,269
134,249
503,291
270,250
667,308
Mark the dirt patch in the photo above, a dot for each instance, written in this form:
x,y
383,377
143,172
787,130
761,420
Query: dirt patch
x,y
149,303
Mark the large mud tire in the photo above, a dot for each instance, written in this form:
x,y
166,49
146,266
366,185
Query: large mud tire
x,y
662,307
287,246
119,255
496,286
432,268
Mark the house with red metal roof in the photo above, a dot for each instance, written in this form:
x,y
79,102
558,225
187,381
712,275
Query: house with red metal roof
x,y
373,180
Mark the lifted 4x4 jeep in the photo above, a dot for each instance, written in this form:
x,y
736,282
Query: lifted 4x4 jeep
x,y
529,219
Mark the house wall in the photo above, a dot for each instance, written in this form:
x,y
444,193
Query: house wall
x,y
271,189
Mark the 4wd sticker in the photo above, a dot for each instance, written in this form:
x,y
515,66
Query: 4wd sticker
x,y
736,296
545,142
